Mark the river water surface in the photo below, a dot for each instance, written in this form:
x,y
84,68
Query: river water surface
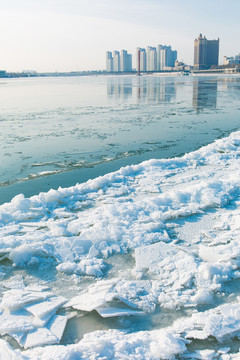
x,y
60,131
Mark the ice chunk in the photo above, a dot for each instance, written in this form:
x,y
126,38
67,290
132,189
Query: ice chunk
x,y
39,337
57,325
172,270
15,299
18,336
3,256
25,254
151,255
136,294
69,249
7,352
224,350
15,323
92,267
96,295
43,308
201,355
117,311
222,321
36,287
16,282
41,322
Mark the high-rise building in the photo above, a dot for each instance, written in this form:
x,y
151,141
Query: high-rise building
x,y
159,57
141,60
151,58
109,61
205,52
125,61
166,57
116,61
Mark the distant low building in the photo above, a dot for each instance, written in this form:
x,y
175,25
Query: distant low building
x,y
179,66
206,53
3,73
29,72
233,60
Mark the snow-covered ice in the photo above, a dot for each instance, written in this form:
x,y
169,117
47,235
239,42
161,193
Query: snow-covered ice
x,y
157,241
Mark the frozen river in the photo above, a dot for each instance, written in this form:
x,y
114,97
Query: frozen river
x,y
81,127
142,262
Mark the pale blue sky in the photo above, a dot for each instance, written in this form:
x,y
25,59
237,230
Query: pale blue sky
x,y
64,35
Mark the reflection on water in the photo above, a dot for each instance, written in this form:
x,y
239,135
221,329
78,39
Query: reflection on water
x,y
204,94
119,87
149,89
144,89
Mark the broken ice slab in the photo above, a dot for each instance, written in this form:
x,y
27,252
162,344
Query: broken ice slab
x,y
220,322
36,287
57,325
89,302
96,295
16,282
107,312
18,336
39,337
15,323
41,322
17,298
49,335
44,308
3,256
147,256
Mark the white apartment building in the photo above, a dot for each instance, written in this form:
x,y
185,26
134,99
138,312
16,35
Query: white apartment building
x,y
166,57
125,61
116,61
151,58
141,57
109,61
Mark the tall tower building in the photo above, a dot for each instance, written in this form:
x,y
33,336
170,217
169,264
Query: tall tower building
x,y
116,61
125,61
159,57
109,61
151,59
141,60
206,52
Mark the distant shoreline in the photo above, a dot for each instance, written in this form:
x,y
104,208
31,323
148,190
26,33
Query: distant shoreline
x,y
218,71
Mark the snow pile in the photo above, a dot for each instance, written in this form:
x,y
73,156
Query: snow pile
x,y
108,345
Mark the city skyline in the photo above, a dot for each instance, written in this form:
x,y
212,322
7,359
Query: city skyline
x,y
157,58
55,35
